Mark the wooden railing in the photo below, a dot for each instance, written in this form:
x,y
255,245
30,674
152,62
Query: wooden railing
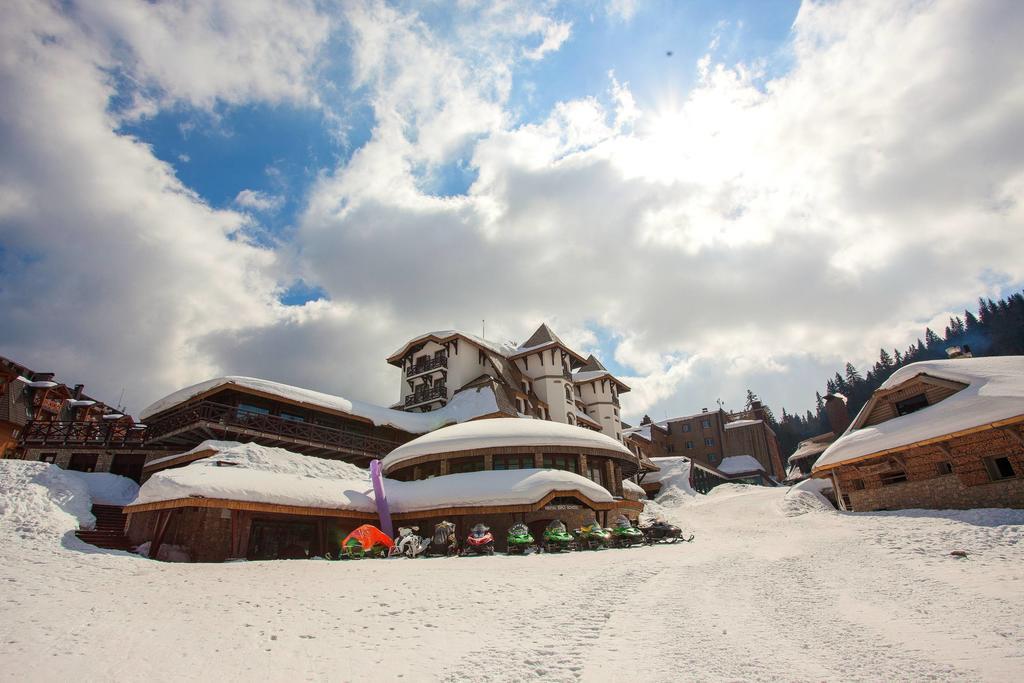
x,y
435,392
271,425
95,434
427,366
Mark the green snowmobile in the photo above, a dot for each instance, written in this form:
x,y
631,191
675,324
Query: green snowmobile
x,y
592,536
520,540
557,538
624,534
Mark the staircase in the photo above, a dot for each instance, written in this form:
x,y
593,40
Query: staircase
x,y
109,531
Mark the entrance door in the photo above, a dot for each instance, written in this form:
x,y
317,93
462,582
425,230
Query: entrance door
x,y
129,465
281,540
83,462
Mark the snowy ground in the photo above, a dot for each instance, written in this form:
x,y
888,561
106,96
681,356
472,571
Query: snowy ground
x,y
772,588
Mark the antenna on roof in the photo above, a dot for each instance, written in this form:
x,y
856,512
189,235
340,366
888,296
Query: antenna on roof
x,y
483,329
120,401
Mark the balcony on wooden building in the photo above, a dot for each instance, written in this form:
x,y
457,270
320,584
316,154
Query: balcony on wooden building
x,y
426,365
438,392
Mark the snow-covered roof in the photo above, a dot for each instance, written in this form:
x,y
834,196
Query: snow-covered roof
x,y
643,431
668,466
501,348
739,464
501,433
38,384
812,446
994,392
742,423
263,474
630,485
465,405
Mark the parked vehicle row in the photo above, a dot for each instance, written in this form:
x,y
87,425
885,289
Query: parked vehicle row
x,y
369,541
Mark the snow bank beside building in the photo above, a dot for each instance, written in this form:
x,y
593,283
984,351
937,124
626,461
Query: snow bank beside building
x,y
674,476
40,501
106,488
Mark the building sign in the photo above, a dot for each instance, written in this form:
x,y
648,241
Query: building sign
x,y
50,405
562,506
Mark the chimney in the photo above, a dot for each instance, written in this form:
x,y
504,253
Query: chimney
x,y
76,393
838,415
703,410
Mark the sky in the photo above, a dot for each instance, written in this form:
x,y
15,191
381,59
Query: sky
x,y
710,196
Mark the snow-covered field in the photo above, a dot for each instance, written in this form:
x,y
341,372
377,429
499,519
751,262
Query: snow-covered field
x,y
773,587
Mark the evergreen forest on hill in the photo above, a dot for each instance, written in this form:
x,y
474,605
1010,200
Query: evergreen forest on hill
x,y
997,329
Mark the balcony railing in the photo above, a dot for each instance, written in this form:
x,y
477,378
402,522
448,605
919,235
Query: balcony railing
x,y
81,434
436,363
438,391
220,415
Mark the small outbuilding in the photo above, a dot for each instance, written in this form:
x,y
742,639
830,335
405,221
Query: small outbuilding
x,y
944,434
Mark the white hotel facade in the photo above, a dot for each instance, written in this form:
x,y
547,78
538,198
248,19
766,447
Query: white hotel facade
x,y
541,378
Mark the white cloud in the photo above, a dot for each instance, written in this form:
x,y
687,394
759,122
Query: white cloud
x,y
259,201
754,234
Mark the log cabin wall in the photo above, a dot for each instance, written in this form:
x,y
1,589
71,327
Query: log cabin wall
x,y
928,485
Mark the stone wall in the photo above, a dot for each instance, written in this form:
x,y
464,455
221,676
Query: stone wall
x,y
968,486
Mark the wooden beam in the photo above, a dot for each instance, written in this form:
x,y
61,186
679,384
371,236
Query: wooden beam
x,y
163,518
1014,433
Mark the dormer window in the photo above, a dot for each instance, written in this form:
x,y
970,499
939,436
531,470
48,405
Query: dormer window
x,y
911,405
568,393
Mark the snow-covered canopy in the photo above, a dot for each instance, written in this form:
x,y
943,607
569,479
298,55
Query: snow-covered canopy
x,y
502,433
262,474
668,466
493,487
994,392
739,464
465,405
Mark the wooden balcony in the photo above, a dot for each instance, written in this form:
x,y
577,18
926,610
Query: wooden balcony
x,y
434,393
431,364
81,434
189,425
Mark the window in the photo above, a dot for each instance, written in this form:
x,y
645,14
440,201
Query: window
x,y
541,413
513,462
942,468
689,444
594,471
706,424
569,463
999,468
520,405
466,465
668,427
526,387
857,484
252,410
711,458
568,393
890,478
570,419
709,442
912,404
687,427
48,457
292,417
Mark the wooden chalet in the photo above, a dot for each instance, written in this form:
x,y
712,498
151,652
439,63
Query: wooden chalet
x,y
937,434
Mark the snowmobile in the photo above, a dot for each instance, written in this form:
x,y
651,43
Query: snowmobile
x,y
592,536
409,544
520,540
557,538
624,534
480,541
663,532
365,541
444,541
